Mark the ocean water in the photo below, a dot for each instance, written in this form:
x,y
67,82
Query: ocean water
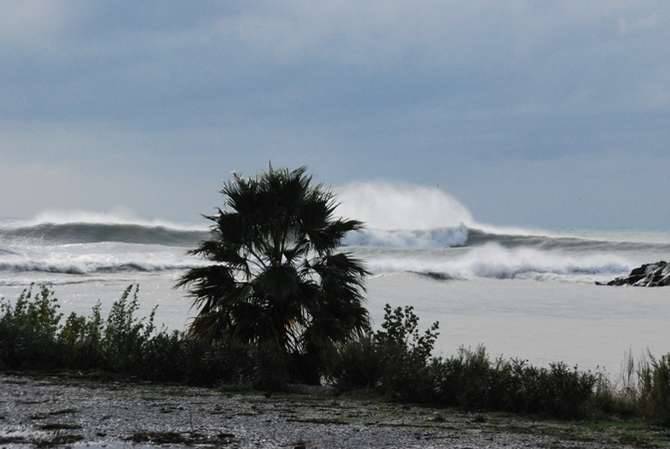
x,y
524,293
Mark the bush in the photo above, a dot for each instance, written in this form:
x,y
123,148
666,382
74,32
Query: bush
x,y
397,361
405,354
34,336
358,365
472,381
393,360
462,380
29,329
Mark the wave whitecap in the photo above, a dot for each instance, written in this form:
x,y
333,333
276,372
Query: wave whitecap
x,y
446,237
415,239
409,228
388,206
494,261
103,232
65,267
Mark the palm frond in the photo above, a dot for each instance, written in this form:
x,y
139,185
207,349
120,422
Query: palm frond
x,y
276,275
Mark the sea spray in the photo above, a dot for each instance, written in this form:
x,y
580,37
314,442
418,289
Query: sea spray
x,y
494,261
401,206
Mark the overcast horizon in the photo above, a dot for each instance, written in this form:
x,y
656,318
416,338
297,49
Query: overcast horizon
x,y
550,114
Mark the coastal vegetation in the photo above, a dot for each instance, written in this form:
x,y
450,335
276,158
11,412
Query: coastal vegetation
x,y
277,281
395,362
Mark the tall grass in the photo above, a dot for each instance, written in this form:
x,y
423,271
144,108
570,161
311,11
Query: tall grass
x,y
654,389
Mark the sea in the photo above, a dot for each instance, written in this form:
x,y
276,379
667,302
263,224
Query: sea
x,y
524,293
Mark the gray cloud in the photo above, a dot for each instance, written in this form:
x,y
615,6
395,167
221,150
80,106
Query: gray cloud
x,y
481,96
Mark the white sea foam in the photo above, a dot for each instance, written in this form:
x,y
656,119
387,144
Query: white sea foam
x,y
389,206
495,261
116,217
419,239
91,258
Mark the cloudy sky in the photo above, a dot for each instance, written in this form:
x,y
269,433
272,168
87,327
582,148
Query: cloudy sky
x,y
540,113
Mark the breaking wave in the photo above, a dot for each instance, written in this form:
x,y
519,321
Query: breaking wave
x,y
437,238
494,261
395,215
386,206
408,228
488,261
90,268
113,218
421,217
64,233
416,239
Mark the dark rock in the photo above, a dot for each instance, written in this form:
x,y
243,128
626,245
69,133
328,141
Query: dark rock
x,y
648,275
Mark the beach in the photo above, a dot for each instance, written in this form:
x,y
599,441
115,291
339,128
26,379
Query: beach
x,y
50,410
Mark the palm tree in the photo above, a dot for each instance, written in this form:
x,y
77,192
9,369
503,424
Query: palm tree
x,y
276,276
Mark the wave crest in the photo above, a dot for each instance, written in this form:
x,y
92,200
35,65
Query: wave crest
x,y
103,232
388,206
37,266
494,261
416,239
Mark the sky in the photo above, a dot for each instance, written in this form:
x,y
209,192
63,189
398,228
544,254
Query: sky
x,y
537,113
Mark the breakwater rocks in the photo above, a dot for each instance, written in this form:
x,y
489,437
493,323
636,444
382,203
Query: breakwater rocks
x,y
648,275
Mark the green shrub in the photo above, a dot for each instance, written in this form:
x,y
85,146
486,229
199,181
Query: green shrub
x,y
34,336
397,361
471,380
29,328
462,380
358,365
125,336
405,354
394,360
81,339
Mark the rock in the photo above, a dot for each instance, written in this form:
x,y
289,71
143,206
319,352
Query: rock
x,y
648,275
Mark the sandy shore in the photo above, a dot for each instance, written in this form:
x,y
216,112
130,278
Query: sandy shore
x,y
64,411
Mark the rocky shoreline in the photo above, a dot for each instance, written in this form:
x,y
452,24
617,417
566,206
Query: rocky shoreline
x,y
648,275
73,412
